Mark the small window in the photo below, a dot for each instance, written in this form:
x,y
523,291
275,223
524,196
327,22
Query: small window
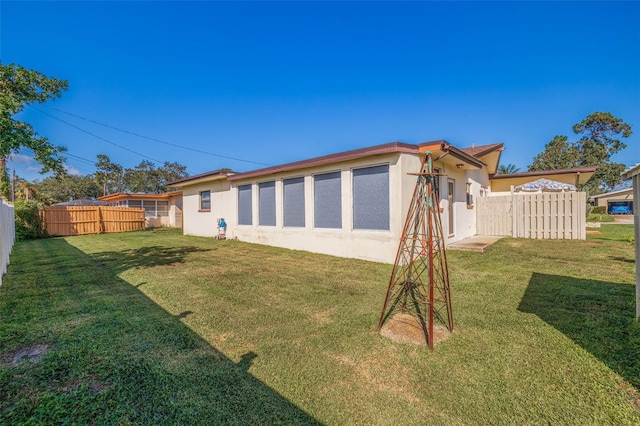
x,y
469,196
436,183
205,201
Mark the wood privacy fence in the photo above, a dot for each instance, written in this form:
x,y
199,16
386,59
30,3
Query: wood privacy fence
x,y
7,235
549,215
83,220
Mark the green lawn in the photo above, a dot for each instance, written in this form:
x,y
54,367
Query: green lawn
x,y
158,328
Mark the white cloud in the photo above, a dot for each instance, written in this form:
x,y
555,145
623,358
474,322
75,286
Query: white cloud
x,y
72,170
20,159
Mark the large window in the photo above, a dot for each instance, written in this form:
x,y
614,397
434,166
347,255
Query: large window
x,y
244,205
205,201
267,204
152,208
293,194
327,200
371,198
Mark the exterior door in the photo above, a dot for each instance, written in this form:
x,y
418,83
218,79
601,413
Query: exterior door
x,y
451,186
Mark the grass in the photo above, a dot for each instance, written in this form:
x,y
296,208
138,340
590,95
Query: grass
x,y
593,217
158,328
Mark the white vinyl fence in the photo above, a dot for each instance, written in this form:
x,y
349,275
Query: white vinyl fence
x,y
7,235
547,215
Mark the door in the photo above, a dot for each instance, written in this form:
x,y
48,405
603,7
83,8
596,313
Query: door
x,y
451,186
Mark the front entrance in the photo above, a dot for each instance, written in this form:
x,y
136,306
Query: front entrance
x,y
451,186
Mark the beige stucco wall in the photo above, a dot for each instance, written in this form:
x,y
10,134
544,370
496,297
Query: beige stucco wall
x,y
204,223
375,245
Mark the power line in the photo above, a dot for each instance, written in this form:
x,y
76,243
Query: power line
x,y
96,136
158,140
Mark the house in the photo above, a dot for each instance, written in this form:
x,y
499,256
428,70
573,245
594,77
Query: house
x,y
617,202
503,184
350,204
160,209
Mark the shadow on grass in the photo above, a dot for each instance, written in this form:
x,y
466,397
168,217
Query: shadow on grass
x,y
114,356
597,315
144,257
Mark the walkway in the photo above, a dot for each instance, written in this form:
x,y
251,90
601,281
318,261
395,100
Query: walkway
x,y
478,243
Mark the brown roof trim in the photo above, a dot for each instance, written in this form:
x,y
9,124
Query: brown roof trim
x,y
328,159
479,151
545,172
213,173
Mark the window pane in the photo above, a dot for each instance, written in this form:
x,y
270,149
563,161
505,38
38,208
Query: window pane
x,y
371,198
205,200
149,208
135,203
293,190
267,204
163,208
327,197
244,205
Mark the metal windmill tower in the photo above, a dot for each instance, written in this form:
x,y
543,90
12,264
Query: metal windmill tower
x,y
419,283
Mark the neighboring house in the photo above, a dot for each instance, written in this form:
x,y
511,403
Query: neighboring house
x,y
160,209
350,204
617,202
501,184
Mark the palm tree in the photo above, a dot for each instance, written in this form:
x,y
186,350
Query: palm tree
x,y
508,169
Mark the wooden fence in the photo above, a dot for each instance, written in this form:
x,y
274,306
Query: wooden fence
x,y
7,235
83,220
549,215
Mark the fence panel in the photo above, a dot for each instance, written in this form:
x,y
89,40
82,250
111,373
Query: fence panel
x,y
551,215
7,235
84,220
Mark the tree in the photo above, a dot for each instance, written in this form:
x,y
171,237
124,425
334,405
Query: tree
x,y
20,87
109,175
599,133
145,177
58,189
508,169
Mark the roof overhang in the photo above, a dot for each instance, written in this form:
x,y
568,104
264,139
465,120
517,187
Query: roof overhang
x,y
448,154
119,196
631,172
203,177
576,176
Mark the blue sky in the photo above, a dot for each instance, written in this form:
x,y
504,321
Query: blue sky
x,y
270,83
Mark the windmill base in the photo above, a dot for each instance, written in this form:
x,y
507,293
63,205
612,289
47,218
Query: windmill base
x,y
404,328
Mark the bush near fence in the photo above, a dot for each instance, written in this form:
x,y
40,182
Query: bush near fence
x,y
83,220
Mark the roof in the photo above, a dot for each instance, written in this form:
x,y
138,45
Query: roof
x,y
543,184
546,173
608,194
444,151
631,172
387,148
138,196
202,177
83,202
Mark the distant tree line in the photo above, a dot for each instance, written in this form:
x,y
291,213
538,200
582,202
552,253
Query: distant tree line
x,y
109,178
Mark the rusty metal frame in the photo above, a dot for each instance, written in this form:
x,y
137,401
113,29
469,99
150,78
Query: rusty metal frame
x,y
419,282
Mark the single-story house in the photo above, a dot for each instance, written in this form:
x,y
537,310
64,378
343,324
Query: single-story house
x,y
506,183
617,202
160,209
349,204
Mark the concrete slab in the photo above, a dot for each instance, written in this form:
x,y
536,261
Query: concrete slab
x,y
478,243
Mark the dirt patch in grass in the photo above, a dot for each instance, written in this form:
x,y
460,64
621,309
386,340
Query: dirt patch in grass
x,y
404,328
32,354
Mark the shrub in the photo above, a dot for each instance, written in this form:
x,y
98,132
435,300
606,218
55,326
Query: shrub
x,y
598,210
29,224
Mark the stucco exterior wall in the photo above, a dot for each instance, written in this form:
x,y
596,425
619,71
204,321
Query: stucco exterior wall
x,y
204,223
